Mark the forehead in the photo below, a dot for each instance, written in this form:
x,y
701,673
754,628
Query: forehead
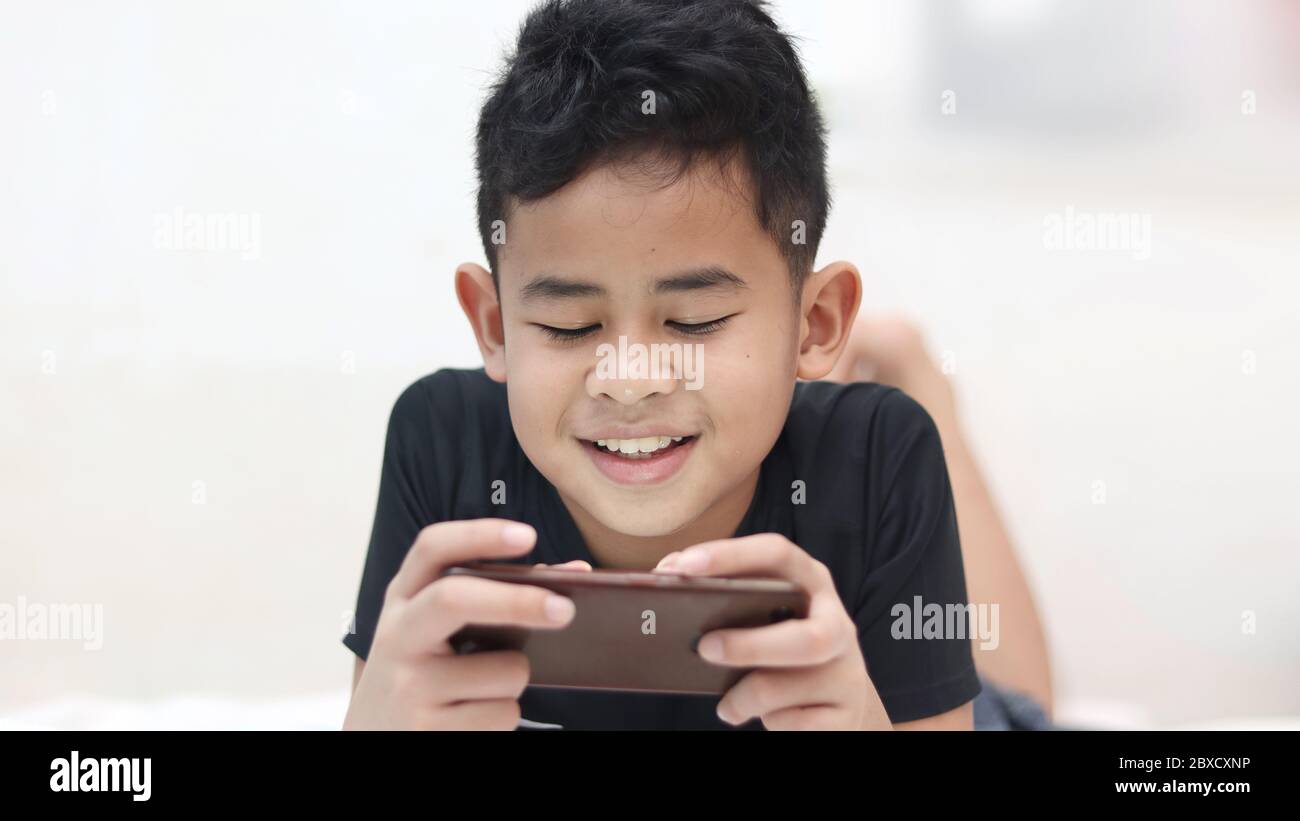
x,y
625,225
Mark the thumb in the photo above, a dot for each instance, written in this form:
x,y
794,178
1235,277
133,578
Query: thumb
x,y
576,564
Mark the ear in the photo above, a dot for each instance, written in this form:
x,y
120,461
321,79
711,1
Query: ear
x,y
830,303
478,299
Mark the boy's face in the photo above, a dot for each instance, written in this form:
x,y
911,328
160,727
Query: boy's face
x,y
623,254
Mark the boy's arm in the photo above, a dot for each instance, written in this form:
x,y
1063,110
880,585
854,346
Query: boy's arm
x,y
892,350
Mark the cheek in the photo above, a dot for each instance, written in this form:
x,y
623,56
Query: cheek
x,y
748,391
535,405
755,362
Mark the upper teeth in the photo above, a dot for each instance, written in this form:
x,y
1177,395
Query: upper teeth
x,y
646,444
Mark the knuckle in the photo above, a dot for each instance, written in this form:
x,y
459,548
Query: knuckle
x,y
518,669
426,544
823,571
777,545
821,639
848,630
425,539
762,693
443,594
390,591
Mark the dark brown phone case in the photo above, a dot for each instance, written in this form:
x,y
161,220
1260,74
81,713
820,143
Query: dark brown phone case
x,y
632,631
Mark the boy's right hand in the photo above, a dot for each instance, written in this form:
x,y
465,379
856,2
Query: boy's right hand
x,y
413,679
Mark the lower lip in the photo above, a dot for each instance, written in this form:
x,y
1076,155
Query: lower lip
x,y
661,466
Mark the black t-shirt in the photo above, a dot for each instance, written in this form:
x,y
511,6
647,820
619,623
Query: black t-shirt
x,y
876,509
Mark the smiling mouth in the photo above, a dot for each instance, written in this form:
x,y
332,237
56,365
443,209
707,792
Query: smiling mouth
x,y
635,450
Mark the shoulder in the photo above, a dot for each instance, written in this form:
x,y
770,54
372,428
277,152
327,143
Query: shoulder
x,y
447,416
448,396
442,426
858,419
864,443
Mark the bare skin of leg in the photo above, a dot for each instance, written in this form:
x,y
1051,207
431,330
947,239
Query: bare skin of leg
x,y
892,351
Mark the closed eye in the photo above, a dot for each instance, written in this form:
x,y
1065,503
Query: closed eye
x,y
567,334
701,328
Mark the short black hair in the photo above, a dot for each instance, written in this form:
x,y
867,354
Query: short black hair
x,y
725,79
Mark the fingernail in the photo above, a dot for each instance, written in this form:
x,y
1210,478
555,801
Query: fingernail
x,y
559,609
518,534
669,561
692,561
710,648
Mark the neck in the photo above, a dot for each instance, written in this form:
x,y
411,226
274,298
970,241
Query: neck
x,y
619,551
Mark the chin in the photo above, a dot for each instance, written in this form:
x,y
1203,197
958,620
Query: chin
x,y
650,521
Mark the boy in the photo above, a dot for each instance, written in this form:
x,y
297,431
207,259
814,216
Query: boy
x,y
654,173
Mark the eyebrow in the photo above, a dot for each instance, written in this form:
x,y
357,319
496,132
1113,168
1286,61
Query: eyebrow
x,y
710,277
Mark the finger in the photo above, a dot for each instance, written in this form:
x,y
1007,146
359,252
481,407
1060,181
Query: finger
x,y
576,564
445,544
806,717
447,605
766,691
496,714
666,562
763,554
479,676
790,643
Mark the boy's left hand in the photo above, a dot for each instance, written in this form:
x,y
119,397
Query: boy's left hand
x,y
811,673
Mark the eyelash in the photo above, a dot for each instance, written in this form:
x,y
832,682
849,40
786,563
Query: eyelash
x,y
571,335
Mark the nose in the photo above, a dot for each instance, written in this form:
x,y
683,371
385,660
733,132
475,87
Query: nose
x,y
630,375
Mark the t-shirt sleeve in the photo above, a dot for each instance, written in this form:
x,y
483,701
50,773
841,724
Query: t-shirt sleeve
x,y
406,504
914,570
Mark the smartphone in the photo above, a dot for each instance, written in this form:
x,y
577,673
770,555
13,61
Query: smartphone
x,y
632,631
